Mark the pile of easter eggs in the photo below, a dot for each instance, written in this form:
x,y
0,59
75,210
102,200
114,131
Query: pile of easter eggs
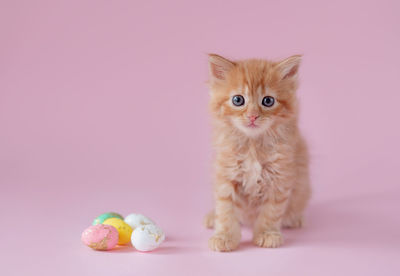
x,y
110,229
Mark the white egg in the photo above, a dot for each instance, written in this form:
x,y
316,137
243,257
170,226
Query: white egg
x,y
136,220
147,237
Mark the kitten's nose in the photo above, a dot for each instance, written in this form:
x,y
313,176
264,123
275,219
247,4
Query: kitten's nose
x,y
253,117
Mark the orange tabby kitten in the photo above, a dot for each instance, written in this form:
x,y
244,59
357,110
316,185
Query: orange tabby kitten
x,y
261,166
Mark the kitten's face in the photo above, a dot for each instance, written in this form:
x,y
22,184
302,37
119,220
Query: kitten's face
x,y
253,95
252,109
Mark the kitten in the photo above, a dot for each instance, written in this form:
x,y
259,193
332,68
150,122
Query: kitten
x,y
261,164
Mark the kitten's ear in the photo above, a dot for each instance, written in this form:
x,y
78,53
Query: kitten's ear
x,y
289,67
219,67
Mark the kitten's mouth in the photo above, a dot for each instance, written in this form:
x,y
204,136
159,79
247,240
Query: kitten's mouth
x,y
252,125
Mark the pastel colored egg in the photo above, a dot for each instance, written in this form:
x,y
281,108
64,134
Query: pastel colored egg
x,y
147,237
124,230
100,237
136,220
103,217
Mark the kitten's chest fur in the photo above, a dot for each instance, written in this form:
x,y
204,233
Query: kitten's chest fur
x,y
252,167
252,177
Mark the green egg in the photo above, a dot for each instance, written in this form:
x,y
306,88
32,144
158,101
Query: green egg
x,y
103,217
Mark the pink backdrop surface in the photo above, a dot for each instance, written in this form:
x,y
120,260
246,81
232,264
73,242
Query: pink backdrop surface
x,y
103,107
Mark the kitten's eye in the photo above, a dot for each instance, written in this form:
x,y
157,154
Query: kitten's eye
x,y
268,101
238,100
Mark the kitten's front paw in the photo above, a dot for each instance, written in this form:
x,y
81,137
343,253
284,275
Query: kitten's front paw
x,y
223,242
268,239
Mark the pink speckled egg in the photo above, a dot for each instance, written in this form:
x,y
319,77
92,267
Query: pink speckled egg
x,y
100,237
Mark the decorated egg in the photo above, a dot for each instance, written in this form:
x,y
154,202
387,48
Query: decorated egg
x,y
100,237
103,217
136,220
124,230
147,237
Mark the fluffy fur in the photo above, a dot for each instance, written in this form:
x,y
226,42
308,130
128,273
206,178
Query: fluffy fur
x,y
261,164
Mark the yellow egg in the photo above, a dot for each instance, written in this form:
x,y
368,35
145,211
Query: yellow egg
x,y
124,230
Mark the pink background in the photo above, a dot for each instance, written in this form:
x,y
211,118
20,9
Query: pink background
x,y
103,107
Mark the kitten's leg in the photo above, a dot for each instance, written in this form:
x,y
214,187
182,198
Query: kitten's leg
x,y
293,220
267,228
300,194
209,219
227,228
299,198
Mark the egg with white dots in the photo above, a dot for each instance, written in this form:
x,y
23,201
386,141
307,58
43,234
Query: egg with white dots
x,y
136,220
147,237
